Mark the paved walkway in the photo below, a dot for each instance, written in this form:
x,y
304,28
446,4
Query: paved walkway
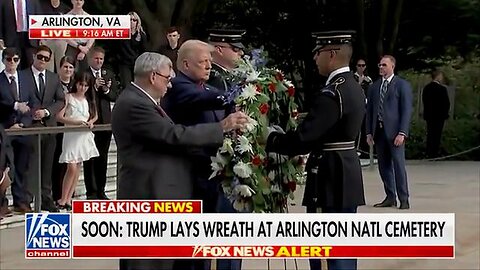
x,y
437,187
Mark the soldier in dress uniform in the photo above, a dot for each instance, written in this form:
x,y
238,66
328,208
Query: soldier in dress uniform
x,y
228,50
328,132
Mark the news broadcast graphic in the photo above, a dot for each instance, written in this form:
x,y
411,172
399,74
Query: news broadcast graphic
x,y
155,229
79,26
47,235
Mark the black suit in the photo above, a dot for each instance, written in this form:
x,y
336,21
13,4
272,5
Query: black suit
x,y
436,106
95,169
154,157
20,145
52,99
8,29
4,158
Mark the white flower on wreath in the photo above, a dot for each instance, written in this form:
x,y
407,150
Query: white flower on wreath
x,y
249,92
243,145
242,170
240,206
244,191
288,83
227,146
252,123
276,189
253,76
218,163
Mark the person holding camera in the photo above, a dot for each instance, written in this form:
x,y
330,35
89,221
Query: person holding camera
x,y
105,91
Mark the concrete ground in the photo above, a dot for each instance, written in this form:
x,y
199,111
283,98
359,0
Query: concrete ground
x,y
435,187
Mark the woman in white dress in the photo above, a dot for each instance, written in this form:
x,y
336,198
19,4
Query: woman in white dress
x,y
77,147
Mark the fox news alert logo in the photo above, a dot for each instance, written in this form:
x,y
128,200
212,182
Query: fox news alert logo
x,y
47,235
79,26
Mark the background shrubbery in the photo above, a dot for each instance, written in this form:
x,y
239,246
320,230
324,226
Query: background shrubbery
x,y
462,130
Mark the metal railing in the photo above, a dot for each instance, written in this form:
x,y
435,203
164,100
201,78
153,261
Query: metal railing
x,y
38,132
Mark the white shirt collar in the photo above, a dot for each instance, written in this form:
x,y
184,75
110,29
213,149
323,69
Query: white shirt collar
x,y
146,93
389,79
11,74
337,71
94,71
36,72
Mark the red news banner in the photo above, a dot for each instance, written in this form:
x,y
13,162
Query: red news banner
x,y
178,229
79,26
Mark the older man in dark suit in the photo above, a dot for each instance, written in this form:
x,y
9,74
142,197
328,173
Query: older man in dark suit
x,y
106,91
389,109
51,99
153,152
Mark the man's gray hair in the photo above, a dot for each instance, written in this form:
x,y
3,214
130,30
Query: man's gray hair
x,y
149,62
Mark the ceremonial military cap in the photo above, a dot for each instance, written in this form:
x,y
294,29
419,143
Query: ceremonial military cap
x,y
332,38
230,36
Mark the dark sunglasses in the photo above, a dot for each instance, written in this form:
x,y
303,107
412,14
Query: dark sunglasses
x,y
43,58
161,75
382,65
361,65
134,20
15,59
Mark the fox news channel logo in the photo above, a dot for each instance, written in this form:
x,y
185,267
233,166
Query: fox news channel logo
x,y
47,235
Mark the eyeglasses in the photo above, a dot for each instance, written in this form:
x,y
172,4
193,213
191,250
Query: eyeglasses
x,y
161,75
382,65
361,65
14,59
326,50
43,58
235,49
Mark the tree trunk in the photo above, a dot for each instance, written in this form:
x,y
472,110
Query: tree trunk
x,y
382,26
395,25
362,51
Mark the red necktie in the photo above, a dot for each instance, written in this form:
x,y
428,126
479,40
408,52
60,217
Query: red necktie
x,y
20,15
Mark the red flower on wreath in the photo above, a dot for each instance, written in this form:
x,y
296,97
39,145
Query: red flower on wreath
x,y
257,161
272,87
259,88
291,91
292,186
264,108
294,114
279,76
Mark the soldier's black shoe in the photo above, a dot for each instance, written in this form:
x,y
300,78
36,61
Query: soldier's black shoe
x,y
386,203
404,205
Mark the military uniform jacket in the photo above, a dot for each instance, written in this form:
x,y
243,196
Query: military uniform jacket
x,y
334,178
217,78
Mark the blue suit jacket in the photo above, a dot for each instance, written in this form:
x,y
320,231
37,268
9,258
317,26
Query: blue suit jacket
x,y
397,107
7,99
189,103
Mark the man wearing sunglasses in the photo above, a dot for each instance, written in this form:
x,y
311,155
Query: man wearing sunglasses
x,y
334,176
21,100
51,98
389,110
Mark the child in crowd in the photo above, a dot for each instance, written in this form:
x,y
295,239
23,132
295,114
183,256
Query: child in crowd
x,y
77,147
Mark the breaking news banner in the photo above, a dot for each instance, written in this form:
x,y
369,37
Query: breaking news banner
x,y
178,229
79,26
